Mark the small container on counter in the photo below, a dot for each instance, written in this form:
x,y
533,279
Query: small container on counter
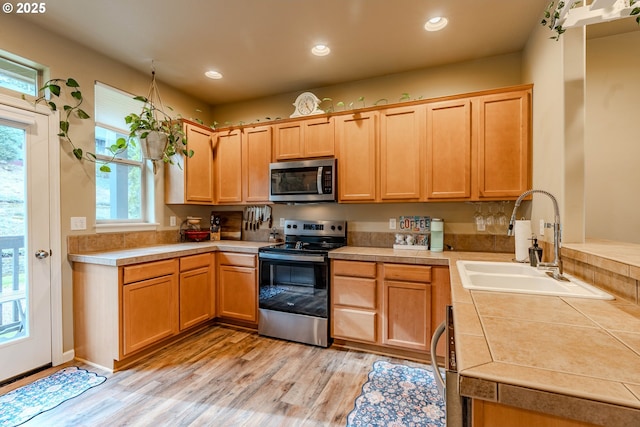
x,y
437,235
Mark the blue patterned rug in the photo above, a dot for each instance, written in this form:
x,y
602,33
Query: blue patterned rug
x,y
22,404
398,395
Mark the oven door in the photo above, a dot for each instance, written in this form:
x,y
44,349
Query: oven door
x,y
294,283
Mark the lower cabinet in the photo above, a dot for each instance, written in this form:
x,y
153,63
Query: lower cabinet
x,y
149,304
492,414
121,312
406,302
197,289
387,304
238,287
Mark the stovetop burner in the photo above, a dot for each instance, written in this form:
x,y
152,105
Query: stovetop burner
x,y
317,237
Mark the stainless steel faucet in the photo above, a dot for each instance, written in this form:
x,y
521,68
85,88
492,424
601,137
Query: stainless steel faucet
x,y
557,261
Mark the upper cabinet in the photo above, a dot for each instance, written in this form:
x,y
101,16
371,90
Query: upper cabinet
x,y
241,161
228,166
256,156
448,146
504,135
304,139
356,139
402,153
192,181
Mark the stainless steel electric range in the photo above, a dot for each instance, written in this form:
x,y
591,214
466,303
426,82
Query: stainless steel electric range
x,y
294,282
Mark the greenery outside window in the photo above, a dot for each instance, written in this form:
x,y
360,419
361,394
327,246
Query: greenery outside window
x,y
122,195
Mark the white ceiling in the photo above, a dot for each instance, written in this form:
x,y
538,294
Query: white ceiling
x,y
262,47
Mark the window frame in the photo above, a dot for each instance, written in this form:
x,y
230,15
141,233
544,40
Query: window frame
x,y
147,199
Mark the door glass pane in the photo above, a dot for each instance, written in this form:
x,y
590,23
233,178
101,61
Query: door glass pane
x,y
13,304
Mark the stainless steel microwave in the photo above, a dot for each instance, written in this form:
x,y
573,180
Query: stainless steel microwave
x,y
303,181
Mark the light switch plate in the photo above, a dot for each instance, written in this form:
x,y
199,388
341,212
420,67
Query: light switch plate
x,y
78,223
172,221
542,227
392,223
281,222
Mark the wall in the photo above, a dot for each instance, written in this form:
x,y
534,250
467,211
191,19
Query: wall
x,y
67,59
612,146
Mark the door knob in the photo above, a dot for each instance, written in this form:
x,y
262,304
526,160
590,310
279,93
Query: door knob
x,y
42,254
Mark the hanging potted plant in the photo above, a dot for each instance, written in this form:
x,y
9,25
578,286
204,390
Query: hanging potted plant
x,y
160,135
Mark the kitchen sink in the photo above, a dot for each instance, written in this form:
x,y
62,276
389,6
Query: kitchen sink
x,y
522,278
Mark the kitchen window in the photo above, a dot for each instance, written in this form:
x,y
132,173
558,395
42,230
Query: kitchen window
x,y
124,196
18,77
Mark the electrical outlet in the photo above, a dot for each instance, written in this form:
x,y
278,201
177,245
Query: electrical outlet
x,y
281,222
542,227
392,223
78,222
172,221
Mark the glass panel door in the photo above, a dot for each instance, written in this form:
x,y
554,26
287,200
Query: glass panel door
x,y
25,262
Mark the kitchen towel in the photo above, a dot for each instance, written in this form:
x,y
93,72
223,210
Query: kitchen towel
x,y
523,234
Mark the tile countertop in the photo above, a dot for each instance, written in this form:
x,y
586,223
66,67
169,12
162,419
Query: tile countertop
x,y
156,253
563,356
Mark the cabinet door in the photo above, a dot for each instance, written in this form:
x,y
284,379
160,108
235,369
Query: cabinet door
x,y
228,162
357,157
191,181
402,148
503,144
256,156
319,137
199,167
238,293
195,296
448,156
288,141
407,315
149,312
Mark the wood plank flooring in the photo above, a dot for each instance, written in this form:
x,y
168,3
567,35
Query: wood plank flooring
x,y
222,376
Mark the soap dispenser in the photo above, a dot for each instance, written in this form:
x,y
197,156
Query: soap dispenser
x,y
535,252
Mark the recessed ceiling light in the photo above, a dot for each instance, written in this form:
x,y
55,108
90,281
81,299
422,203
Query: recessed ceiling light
x,y
213,75
320,50
436,23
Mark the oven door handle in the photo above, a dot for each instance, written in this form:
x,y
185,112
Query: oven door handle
x,y
292,257
434,364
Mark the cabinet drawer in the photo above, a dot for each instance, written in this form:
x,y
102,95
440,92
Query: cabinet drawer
x,y
195,261
354,291
354,268
240,260
407,272
149,270
354,324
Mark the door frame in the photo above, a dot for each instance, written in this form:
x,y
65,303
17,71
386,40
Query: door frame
x,y
58,356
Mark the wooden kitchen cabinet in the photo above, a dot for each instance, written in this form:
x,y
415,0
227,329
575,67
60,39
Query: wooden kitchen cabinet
x,y
304,139
492,414
406,306
504,149
448,149
402,154
388,307
228,166
149,304
354,301
256,157
356,141
192,182
238,287
241,161
196,289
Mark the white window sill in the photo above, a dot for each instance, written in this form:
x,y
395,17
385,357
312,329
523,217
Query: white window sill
x,y
126,227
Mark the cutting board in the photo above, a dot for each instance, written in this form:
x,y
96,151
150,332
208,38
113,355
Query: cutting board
x,y
230,224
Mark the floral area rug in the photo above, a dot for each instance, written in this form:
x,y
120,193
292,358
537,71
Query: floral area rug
x,y
20,405
397,396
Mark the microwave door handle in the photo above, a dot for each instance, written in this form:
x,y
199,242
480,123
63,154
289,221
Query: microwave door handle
x,y
319,179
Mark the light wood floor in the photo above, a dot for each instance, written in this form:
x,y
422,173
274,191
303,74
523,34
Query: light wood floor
x,y
222,377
